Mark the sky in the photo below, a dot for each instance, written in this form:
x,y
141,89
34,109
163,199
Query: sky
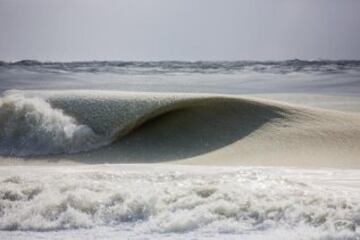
x,y
71,30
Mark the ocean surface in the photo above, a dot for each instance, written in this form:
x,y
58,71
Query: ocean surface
x,y
180,150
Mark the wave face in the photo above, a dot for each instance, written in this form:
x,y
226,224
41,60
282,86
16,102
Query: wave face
x,y
162,202
161,67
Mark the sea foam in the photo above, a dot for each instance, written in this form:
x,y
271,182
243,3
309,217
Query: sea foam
x,y
176,200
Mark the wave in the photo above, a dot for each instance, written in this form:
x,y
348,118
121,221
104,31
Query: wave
x,y
68,122
139,127
161,67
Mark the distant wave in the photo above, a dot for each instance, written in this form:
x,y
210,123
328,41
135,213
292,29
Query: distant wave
x,y
155,67
160,127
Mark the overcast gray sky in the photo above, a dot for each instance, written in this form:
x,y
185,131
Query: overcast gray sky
x,y
68,30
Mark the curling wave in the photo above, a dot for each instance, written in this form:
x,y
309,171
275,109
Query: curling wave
x,y
69,122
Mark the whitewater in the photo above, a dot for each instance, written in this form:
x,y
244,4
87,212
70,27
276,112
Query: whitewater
x,y
179,150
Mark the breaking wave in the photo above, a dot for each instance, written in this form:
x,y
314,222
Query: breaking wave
x,y
31,126
70,122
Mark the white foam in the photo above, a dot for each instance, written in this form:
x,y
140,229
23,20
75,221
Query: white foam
x,y
30,125
218,202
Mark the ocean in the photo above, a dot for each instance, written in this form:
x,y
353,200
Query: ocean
x,y
180,150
